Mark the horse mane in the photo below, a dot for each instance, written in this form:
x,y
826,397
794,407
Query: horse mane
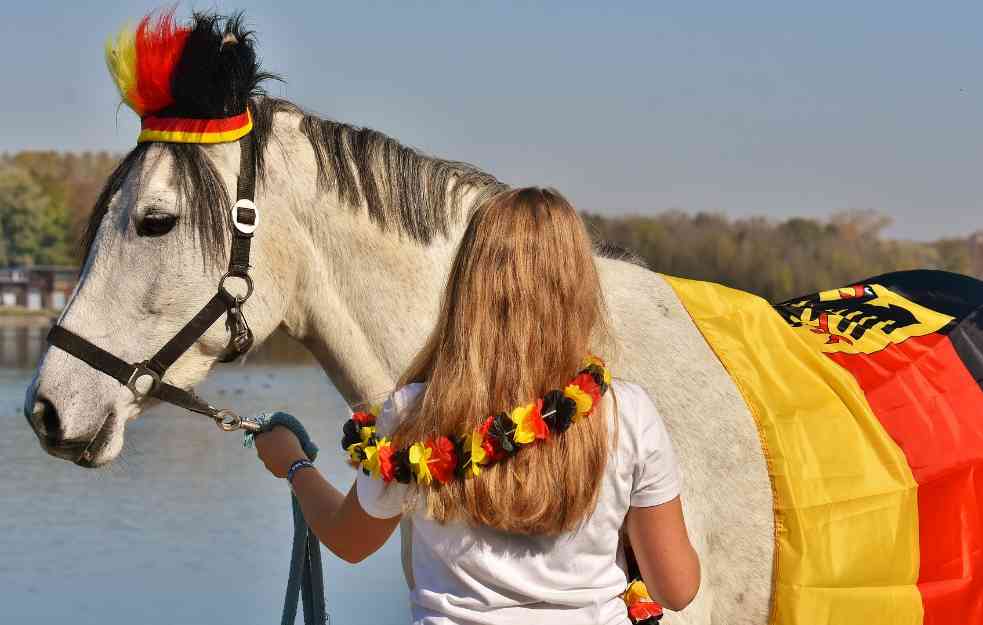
x,y
417,195
613,251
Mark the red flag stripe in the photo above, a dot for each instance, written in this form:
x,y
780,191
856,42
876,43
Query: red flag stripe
x,y
184,124
929,403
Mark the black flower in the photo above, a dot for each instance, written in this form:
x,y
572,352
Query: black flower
x,y
502,430
558,411
351,435
598,374
401,466
462,453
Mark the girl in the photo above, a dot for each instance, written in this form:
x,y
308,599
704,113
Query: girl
x,y
516,455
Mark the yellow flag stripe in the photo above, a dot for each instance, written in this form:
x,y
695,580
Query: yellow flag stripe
x,y
177,136
846,510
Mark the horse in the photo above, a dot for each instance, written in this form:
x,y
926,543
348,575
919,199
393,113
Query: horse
x,y
357,235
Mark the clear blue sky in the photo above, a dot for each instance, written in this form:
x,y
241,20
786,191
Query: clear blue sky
x,y
774,109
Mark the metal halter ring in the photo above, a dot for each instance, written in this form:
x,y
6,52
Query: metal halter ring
x,y
140,371
229,296
241,226
228,421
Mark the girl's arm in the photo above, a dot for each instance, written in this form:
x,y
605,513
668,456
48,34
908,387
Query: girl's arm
x,y
669,564
337,520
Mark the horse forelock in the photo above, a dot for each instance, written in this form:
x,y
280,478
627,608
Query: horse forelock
x,y
201,194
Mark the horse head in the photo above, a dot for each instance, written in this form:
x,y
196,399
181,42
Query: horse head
x,y
157,245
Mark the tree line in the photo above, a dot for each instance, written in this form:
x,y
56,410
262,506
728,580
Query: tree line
x,y
780,259
46,197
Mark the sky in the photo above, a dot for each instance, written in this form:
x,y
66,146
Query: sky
x,y
744,108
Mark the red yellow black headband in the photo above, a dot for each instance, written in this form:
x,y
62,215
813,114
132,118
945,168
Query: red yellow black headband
x,y
185,130
159,59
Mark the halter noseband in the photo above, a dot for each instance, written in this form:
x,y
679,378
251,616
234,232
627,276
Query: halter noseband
x,y
145,379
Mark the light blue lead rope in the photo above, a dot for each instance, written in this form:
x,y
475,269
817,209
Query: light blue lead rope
x,y
306,577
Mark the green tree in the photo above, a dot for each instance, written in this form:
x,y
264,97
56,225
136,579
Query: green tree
x,y
780,260
34,227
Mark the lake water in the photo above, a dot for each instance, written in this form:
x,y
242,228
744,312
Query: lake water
x,y
187,526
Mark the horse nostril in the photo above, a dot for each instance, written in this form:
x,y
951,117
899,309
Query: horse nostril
x,y
44,418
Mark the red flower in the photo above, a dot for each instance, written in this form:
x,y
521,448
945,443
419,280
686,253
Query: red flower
x,y
536,420
641,610
387,468
493,452
587,384
443,459
363,418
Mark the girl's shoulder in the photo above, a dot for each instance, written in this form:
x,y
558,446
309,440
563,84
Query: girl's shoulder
x,y
406,395
645,442
396,404
636,410
630,397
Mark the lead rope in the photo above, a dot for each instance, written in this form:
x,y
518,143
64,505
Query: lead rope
x,y
306,578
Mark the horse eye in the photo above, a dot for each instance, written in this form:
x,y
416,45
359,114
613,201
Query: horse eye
x,y
156,224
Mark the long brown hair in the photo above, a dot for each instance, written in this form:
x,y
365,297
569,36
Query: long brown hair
x,y
521,309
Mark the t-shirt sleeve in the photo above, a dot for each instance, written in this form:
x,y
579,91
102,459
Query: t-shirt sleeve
x,y
657,479
378,499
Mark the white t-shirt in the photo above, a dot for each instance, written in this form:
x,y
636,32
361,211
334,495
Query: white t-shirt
x,y
483,576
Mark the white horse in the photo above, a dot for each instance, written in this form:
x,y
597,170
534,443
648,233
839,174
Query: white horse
x,y
356,236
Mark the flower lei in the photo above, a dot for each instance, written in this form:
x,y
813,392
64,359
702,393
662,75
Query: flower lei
x,y
642,608
442,458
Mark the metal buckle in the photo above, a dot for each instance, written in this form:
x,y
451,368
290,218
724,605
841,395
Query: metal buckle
x,y
141,370
235,299
243,227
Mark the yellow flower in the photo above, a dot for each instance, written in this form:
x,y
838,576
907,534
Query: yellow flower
x,y
636,592
478,454
366,432
372,457
375,409
523,428
594,360
353,450
420,459
582,399
591,359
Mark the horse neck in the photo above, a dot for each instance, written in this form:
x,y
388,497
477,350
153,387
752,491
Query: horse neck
x,y
365,298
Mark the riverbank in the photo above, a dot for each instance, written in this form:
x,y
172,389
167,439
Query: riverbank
x,y
18,317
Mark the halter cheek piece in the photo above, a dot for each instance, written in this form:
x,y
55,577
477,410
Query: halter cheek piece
x,y
145,379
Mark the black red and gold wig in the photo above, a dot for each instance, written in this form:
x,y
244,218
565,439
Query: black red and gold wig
x,y
188,83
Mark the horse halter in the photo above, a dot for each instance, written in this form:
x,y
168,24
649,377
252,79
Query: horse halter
x,y
145,379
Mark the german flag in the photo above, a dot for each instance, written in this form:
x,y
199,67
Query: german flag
x,y
869,403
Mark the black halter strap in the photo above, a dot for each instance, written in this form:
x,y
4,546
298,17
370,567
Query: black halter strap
x,y
146,378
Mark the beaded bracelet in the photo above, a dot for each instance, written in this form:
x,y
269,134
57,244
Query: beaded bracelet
x,y
296,466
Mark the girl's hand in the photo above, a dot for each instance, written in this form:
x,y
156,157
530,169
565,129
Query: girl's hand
x,y
278,449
